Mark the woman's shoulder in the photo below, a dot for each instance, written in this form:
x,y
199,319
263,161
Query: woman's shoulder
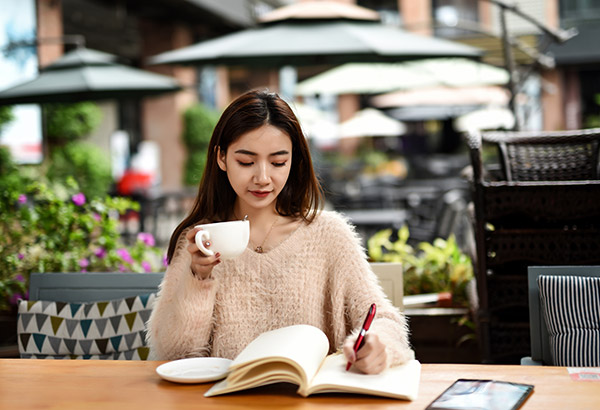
x,y
332,220
328,217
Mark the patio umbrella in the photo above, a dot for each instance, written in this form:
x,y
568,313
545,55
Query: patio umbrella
x,y
84,74
312,33
316,124
371,122
481,95
369,78
490,118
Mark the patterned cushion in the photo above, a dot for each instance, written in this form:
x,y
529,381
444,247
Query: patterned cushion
x,y
114,329
571,307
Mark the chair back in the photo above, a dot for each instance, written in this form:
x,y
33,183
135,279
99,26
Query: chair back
x,y
548,155
391,280
87,315
75,287
540,338
538,206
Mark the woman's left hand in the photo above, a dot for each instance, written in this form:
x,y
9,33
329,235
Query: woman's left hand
x,y
371,358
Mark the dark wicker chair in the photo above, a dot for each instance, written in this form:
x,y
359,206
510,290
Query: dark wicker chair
x,y
547,156
541,206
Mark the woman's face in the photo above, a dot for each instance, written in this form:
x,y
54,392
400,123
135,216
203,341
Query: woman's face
x,y
258,165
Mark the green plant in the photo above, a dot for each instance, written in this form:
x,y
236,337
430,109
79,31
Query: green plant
x,y
56,228
434,267
66,126
84,162
199,122
70,122
6,116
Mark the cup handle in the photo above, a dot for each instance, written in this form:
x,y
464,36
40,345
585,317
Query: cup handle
x,y
202,236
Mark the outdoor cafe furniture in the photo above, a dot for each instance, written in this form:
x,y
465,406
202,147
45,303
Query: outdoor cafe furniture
x,y
103,314
562,332
540,207
102,384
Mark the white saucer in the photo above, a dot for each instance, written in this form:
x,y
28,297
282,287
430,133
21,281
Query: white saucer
x,y
194,370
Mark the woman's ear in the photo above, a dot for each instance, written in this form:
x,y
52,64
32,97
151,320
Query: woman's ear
x,y
221,160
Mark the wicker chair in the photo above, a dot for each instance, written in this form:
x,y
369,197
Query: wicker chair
x,y
541,206
547,156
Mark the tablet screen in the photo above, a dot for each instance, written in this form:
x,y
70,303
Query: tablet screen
x,y
468,394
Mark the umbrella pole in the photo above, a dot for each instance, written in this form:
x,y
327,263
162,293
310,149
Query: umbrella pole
x,y
510,65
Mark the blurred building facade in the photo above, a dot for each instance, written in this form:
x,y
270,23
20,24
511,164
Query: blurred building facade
x,y
135,30
563,97
566,94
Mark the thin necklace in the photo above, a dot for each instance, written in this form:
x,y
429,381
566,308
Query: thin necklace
x,y
259,248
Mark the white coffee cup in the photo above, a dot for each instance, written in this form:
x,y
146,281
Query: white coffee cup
x,y
230,239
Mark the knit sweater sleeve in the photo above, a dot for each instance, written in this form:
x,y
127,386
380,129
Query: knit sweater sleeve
x,y
361,287
181,321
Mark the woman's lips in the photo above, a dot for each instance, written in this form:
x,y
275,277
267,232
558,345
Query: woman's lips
x,y
260,194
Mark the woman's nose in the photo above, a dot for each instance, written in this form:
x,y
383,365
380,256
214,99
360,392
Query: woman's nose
x,y
262,174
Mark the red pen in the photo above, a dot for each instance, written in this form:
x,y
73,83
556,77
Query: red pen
x,y
360,340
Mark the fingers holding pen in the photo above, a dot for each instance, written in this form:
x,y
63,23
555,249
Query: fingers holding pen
x,y
371,358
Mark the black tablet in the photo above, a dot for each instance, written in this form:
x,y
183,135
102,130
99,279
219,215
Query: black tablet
x,y
473,394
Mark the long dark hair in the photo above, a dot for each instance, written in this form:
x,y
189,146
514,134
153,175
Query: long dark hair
x,y
302,194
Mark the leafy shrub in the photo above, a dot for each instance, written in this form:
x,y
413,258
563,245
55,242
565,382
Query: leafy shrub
x,y
433,268
6,116
199,122
56,228
70,156
84,162
70,122
194,167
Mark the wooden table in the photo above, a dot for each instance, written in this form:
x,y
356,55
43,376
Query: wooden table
x,y
66,384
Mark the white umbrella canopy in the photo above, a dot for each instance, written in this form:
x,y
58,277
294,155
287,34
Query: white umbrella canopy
x,y
369,78
489,118
84,74
482,95
363,78
314,33
315,123
371,122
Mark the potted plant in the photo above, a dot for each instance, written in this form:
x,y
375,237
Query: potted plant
x,y
445,330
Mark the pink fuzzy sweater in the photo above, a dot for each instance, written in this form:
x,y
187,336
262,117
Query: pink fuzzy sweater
x,y
318,276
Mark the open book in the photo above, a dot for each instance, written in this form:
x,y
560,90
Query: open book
x,y
298,354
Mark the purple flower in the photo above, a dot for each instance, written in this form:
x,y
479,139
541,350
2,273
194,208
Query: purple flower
x,y
78,199
100,253
122,268
124,254
20,256
146,266
14,298
22,199
147,238
97,216
84,263
165,260
20,278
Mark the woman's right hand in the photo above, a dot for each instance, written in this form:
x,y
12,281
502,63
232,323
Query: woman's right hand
x,y
201,264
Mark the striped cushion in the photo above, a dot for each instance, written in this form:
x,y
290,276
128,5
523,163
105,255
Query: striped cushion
x,y
114,329
571,306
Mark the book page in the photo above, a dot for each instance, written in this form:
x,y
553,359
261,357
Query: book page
x,y
401,382
290,354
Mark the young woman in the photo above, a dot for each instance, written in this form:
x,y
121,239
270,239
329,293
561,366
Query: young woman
x,y
302,266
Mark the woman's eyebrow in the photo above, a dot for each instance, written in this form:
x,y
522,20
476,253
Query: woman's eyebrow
x,y
277,153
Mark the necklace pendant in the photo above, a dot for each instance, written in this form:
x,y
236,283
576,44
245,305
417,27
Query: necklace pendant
x,y
259,249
